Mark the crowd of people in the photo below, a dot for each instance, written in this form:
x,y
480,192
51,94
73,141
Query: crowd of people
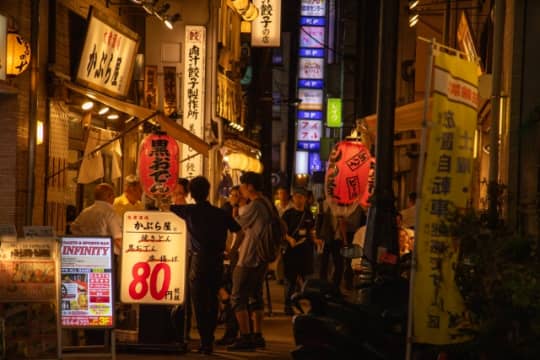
x,y
225,274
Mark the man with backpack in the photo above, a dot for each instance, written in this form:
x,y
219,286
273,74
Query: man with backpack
x,y
255,218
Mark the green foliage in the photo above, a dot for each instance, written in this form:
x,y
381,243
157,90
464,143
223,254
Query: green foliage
x,y
498,274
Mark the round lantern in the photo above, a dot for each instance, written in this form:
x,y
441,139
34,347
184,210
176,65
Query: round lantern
x,y
158,165
17,54
349,177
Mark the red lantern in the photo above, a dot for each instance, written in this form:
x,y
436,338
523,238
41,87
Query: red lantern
x,y
349,176
158,165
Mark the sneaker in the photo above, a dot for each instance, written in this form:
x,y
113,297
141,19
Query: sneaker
x,y
258,340
225,340
242,343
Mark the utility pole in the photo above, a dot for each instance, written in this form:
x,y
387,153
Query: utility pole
x,y
382,228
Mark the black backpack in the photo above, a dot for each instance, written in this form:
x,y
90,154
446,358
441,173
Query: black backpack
x,y
272,237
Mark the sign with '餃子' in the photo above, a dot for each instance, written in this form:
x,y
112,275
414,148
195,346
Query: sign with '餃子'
x,y
108,56
266,28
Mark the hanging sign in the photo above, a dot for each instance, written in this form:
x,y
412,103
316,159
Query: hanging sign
x,y
108,55
169,93
158,165
87,296
154,247
309,130
334,113
347,181
194,100
266,28
150,86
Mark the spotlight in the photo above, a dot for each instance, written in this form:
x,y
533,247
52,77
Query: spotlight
x,y
113,117
413,20
170,20
87,105
162,10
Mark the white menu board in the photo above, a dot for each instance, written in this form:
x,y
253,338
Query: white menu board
x,y
153,258
86,290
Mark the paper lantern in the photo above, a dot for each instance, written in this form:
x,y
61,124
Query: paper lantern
x,y
349,177
158,165
17,54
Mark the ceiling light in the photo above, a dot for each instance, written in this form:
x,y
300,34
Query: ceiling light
x,y
103,110
87,105
413,4
170,20
413,20
112,116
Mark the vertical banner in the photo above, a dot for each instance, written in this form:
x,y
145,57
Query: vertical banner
x,y
169,93
266,28
438,309
154,248
194,76
150,87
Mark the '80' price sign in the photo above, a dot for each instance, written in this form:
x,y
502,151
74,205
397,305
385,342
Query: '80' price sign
x,y
153,258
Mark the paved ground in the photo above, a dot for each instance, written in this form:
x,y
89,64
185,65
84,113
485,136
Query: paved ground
x,y
277,331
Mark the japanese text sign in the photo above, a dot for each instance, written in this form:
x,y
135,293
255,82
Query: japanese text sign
x,y
87,295
28,270
108,56
154,248
194,101
440,315
266,28
309,130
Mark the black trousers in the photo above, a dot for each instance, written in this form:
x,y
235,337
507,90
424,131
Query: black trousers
x,y
205,278
332,250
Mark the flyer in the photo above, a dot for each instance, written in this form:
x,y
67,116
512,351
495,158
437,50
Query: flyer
x,y
86,289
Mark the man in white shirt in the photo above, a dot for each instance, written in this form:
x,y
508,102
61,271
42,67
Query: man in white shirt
x,y
100,219
130,200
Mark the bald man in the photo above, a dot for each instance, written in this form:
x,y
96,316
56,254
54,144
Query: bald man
x,y
100,219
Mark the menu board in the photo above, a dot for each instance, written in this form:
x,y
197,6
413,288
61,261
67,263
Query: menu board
x,y
28,299
153,258
27,271
86,290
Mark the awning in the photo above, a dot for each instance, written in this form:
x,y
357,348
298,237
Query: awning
x,y
170,126
407,117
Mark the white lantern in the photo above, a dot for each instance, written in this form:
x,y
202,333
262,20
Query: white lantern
x,y
17,55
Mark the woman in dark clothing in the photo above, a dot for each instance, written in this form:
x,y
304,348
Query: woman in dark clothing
x,y
298,254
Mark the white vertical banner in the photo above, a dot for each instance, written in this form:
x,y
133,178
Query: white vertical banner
x,y
266,28
194,75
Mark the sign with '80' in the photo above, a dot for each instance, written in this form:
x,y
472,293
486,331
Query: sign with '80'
x,y
153,258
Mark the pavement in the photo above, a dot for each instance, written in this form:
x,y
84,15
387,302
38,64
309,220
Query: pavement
x,y
277,330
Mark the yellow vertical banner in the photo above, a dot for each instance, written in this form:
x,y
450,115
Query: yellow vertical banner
x,y
438,311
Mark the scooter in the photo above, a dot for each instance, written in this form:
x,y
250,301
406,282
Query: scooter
x,y
333,327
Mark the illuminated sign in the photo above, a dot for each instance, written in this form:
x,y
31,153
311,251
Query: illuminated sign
x,y
311,84
154,247
312,99
308,130
316,21
308,145
312,36
310,115
306,52
87,295
333,113
313,8
194,100
108,55
266,28
311,68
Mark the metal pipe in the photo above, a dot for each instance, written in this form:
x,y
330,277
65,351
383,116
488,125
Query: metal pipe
x,y
493,186
32,116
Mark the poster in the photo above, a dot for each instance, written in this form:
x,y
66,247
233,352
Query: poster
x,y
154,248
169,80
439,313
86,289
28,326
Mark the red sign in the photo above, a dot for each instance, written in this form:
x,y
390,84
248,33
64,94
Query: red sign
x,y
350,174
158,165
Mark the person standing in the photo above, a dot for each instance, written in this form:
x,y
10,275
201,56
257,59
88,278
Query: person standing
x,y
250,271
409,213
130,199
298,255
207,227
